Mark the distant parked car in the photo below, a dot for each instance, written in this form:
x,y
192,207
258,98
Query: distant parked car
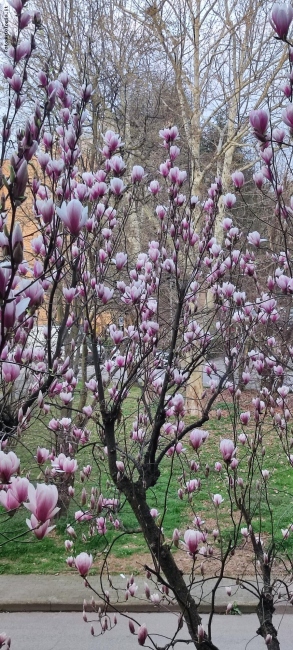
x,y
162,357
90,356
38,337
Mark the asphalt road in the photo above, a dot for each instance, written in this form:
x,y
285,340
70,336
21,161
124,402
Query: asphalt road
x,y
67,631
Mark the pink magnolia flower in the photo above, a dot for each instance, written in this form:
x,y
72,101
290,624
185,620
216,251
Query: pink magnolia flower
x,y
101,525
156,598
8,500
286,89
287,116
104,293
266,172
284,282
245,417
15,82
197,438
117,186
83,563
10,371
177,176
120,361
192,485
116,335
70,530
279,371
117,164
283,390
38,269
229,200
154,186
259,179
131,627
69,294
87,410
227,223
238,179
200,633
42,501
39,530
137,173
80,515
7,68
98,190
33,291
154,513
259,121
9,314
46,209
43,159
174,152
9,464
112,141
179,448
87,470
176,536
228,289
227,449
3,637
178,404
66,397
268,639
55,167
217,500
192,539
254,238
169,134
142,634
68,545
267,155
17,243
81,192
65,464
120,260
16,493
281,18
86,92
73,215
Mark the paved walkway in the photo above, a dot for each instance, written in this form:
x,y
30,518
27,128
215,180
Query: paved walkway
x,y
67,631
66,593
52,603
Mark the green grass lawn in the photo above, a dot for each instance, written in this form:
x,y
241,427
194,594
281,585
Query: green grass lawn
x,y
25,554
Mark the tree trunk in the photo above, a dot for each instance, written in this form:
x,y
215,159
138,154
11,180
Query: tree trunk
x,y
164,562
63,482
83,379
194,391
265,611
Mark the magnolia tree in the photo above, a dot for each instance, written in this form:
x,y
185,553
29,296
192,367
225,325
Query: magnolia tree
x,y
69,279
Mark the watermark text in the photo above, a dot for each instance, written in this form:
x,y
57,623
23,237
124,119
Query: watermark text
x,y
6,35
